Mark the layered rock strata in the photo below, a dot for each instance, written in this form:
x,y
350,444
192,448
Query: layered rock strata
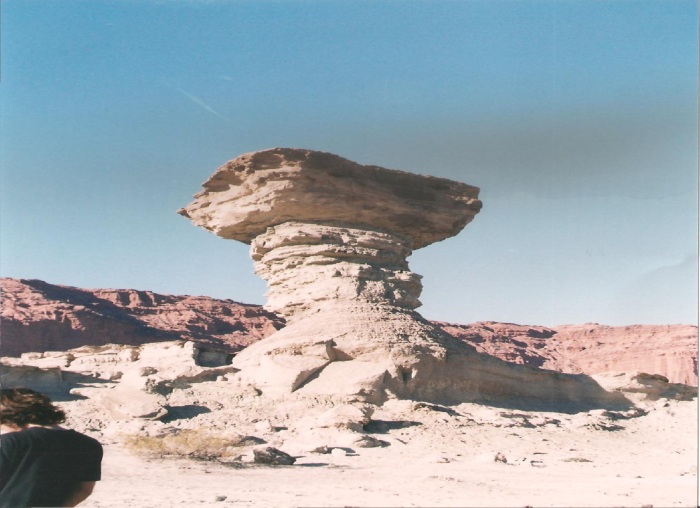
x,y
257,190
667,350
38,316
331,238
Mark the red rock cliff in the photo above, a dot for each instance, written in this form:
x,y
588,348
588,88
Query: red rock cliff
x,y
38,316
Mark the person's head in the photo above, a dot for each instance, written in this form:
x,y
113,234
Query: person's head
x,y
20,407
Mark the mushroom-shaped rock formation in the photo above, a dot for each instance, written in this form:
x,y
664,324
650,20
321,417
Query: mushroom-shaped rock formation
x,y
331,238
257,190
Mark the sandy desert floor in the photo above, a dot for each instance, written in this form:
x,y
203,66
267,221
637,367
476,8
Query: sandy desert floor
x,y
444,459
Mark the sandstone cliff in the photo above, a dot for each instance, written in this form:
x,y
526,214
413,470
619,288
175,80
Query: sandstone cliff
x,y
38,316
669,350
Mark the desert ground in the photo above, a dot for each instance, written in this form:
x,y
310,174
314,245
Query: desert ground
x,y
402,453
445,459
642,451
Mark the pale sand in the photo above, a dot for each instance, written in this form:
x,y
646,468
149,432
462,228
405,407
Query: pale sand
x,y
446,461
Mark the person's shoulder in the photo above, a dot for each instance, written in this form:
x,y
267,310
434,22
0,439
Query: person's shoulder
x,y
17,438
84,439
6,437
17,435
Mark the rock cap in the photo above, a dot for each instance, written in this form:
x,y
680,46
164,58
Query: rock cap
x,y
257,190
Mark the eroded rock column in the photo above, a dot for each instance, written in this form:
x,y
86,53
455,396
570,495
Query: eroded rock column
x,y
307,266
331,238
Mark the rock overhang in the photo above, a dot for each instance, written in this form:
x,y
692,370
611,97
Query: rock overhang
x,y
261,189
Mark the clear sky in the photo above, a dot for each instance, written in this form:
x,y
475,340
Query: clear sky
x,y
577,119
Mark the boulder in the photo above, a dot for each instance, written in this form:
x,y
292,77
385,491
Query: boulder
x,y
272,456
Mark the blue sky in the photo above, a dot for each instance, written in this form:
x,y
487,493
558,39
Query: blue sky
x,y
577,119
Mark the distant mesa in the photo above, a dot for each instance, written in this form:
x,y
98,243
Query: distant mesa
x,y
38,316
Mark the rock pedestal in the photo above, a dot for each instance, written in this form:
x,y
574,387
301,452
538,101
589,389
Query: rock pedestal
x,y
331,238
306,265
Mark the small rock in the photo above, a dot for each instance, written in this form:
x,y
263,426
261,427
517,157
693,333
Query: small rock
x,y
500,458
264,426
272,456
347,416
369,442
321,449
250,440
338,452
220,498
610,427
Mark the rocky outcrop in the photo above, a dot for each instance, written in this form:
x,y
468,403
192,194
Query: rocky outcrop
x,y
137,378
38,316
331,238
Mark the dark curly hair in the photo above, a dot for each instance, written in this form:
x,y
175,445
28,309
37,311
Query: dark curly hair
x,y
20,407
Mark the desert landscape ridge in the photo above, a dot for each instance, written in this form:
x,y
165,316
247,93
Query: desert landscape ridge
x,y
37,316
337,392
403,453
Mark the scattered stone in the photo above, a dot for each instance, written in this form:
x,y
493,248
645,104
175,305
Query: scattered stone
x,y
250,440
609,427
344,418
500,458
338,452
272,456
370,442
125,402
264,426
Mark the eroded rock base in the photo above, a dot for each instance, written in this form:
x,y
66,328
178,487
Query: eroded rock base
x,y
371,353
348,297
